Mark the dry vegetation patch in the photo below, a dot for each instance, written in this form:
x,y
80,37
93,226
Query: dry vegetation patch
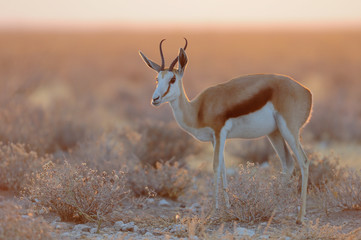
x,y
342,192
315,230
161,142
44,131
17,164
165,180
256,194
78,193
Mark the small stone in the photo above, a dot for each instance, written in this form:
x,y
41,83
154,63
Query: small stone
x,y
164,203
125,227
93,230
108,229
195,207
177,228
66,234
118,225
130,227
148,234
240,231
61,225
150,201
81,228
266,237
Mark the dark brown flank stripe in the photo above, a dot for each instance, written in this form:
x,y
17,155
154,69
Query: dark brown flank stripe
x,y
251,105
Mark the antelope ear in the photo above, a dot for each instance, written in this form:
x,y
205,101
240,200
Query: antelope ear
x,y
182,60
150,63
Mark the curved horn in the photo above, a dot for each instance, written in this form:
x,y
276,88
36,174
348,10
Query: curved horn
x,y
161,54
176,59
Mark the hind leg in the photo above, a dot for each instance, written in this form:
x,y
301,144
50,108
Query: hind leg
x,y
292,138
279,145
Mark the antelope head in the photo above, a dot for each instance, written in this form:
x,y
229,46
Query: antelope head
x,y
168,80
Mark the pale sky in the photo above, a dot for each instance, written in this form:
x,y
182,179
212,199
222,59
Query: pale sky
x,y
89,13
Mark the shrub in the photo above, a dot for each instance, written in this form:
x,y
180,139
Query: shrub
x,y
44,131
256,194
314,230
101,152
160,142
323,169
17,164
15,226
164,180
342,192
78,193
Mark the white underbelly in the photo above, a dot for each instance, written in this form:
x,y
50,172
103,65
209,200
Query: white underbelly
x,y
253,125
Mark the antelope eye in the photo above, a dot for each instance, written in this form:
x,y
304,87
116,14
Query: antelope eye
x,y
172,80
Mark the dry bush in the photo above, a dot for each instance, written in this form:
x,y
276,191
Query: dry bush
x,y
17,165
78,193
103,152
165,180
343,192
257,151
322,169
256,194
44,131
16,226
160,142
314,230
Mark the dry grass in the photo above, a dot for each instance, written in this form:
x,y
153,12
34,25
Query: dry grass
x,y
322,169
160,142
315,230
103,152
14,225
165,180
342,192
17,164
255,194
78,193
44,131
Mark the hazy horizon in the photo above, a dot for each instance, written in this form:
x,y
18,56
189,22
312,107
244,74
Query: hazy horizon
x,y
161,14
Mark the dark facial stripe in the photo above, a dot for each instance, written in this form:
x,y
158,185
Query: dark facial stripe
x,y
251,105
167,90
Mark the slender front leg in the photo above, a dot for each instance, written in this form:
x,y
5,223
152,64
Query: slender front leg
x,y
216,170
220,169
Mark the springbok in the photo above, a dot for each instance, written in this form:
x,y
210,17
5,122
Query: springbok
x,y
247,107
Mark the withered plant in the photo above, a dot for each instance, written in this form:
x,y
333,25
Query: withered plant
x,y
256,195
17,164
78,193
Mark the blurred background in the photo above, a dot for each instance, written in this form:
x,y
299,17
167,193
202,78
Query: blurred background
x,y
70,70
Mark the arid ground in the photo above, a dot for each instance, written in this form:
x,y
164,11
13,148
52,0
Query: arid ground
x,y
83,149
